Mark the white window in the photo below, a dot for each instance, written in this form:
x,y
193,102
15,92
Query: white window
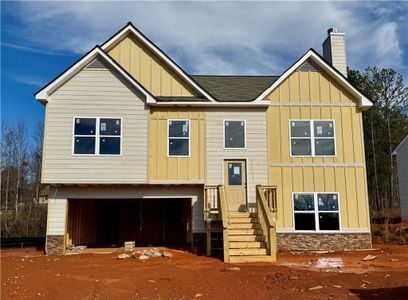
x,y
178,138
97,136
316,211
312,138
234,134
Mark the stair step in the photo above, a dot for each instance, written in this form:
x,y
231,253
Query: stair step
x,y
241,215
241,231
249,259
244,226
245,238
249,251
246,244
243,220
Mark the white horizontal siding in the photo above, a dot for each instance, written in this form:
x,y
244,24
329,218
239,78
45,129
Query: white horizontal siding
x,y
256,146
57,212
95,93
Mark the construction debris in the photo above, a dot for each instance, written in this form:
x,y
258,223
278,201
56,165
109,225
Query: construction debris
x,y
130,246
369,257
123,256
167,254
75,249
319,287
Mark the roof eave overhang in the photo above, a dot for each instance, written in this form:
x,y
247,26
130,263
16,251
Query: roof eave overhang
x,y
129,28
364,102
43,95
214,104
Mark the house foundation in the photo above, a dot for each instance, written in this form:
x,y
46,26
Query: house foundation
x,y
323,241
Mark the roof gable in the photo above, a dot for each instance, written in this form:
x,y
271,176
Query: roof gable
x,y
404,140
43,94
131,30
319,64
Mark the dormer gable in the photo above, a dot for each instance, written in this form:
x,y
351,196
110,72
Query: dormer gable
x,y
149,65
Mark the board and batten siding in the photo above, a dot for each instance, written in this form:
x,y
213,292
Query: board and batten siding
x,y
314,95
255,152
163,168
95,92
402,163
150,70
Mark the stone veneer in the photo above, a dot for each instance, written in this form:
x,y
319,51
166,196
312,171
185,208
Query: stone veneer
x,y
323,241
55,245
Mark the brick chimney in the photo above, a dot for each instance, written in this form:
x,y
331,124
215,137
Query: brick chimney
x,y
334,50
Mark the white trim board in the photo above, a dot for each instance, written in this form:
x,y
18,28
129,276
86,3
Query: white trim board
x,y
45,92
130,28
317,164
364,103
342,231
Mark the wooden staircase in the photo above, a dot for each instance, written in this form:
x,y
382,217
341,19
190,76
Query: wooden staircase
x,y
246,241
247,237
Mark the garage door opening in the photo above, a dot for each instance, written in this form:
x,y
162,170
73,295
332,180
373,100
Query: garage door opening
x,y
148,222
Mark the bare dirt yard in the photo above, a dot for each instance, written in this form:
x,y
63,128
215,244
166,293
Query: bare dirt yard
x,y
27,274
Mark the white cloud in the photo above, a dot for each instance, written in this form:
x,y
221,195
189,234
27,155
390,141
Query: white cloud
x,y
224,38
29,80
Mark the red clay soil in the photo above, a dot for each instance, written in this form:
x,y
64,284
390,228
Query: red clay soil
x,y
27,274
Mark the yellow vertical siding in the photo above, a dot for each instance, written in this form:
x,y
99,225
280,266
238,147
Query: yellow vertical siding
x,y
150,70
314,95
161,167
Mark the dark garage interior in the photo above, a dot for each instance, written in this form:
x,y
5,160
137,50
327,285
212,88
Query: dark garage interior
x,y
111,222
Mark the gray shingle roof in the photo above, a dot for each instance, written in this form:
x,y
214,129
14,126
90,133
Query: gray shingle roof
x,y
234,88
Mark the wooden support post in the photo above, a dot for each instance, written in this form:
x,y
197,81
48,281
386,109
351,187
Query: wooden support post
x,y
208,230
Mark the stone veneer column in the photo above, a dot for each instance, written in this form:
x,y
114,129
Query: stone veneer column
x,y
55,245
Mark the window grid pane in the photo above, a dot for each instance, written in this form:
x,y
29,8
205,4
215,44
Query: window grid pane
x,y
179,129
178,147
110,127
300,128
301,147
84,145
85,126
109,145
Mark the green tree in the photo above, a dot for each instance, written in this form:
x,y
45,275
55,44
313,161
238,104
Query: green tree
x,y
385,125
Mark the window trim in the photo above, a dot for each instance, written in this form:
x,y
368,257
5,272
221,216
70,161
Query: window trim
x,y
316,212
245,134
97,136
184,138
312,137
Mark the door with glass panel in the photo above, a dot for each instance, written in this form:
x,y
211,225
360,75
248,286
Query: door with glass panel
x,y
235,184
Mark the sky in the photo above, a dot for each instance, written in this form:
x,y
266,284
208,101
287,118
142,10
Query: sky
x,y
41,39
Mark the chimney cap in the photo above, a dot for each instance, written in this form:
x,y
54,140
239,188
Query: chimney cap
x,y
331,30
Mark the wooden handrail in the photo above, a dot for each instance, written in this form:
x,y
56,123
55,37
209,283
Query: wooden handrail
x,y
223,206
211,207
264,205
267,215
